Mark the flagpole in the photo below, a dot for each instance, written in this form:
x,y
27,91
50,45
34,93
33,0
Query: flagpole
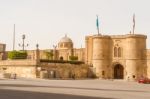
x,y
98,30
133,23
14,39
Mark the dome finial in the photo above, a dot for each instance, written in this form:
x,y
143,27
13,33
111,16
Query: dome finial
x,y
65,39
66,35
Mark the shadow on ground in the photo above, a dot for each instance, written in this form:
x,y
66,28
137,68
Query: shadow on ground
x,y
14,94
82,88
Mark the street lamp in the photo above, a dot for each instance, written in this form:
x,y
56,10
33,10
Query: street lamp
x,y
37,46
23,42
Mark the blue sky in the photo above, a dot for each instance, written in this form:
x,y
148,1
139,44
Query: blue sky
x,y
46,21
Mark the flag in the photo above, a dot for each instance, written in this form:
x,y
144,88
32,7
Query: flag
x,y
97,22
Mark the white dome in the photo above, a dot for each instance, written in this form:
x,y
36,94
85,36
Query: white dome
x,y
65,39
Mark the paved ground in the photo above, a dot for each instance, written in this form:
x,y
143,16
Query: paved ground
x,y
72,89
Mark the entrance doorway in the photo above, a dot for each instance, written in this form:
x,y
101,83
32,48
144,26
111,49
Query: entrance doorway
x,y
118,71
61,58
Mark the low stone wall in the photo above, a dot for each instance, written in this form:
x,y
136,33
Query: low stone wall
x,y
18,62
30,69
22,68
64,71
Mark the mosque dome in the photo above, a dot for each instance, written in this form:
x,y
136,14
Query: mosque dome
x,y
65,43
65,39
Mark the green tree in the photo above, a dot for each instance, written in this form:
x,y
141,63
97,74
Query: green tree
x,y
49,55
17,55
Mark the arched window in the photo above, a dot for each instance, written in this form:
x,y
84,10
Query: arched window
x,y
65,45
103,73
61,58
115,51
119,52
71,45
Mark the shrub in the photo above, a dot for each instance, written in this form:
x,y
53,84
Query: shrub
x,y
17,55
49,55
73,58
62,61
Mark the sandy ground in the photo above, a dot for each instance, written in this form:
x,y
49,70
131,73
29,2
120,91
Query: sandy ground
x,y
72,89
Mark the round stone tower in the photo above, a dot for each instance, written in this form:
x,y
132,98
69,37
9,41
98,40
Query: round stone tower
x,y
135,47
101,55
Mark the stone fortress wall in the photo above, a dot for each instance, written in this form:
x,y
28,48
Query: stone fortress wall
x,y
148,62
118,57
101,55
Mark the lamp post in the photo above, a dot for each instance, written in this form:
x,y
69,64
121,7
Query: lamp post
x,y
54,46
23,42
37,46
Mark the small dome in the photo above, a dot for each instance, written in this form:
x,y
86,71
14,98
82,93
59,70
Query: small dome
x,y
65,39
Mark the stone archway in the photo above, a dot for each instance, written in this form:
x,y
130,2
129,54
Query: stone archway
x,y
118,71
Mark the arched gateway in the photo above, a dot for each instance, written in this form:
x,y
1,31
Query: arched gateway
x,y
118,71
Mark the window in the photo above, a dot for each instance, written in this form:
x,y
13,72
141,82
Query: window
x,y
115,52
71,45
119,52
65,45
103,73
